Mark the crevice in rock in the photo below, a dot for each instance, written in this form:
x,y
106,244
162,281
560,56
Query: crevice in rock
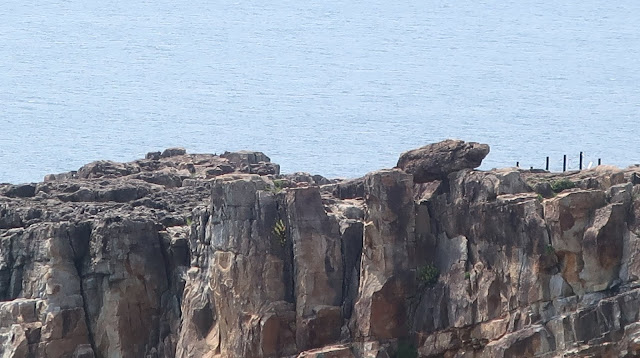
x,y
164,251
288,272
351,240
172,290
78,258
85,306
436,225
7,277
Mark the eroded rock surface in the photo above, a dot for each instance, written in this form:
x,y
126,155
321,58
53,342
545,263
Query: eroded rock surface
x,y
436,161
197,255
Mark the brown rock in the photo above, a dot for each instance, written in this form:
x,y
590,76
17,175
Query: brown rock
x,y
436,161
151,259
387,260
588,237
318,268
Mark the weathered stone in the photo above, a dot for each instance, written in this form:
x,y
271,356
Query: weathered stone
x,y
153,155
166,179
337,351
588,237
602,247
387,256
173,152
318,268
246,275
245,157
155,259
349,189
530,342
21,191
482,186
544,189
106,168
436,161
14,342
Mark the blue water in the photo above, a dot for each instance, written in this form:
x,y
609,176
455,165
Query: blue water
x,y
332,87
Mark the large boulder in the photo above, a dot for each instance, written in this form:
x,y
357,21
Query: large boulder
x,y
436,161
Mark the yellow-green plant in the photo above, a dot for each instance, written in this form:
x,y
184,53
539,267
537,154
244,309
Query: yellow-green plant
x,y
280,231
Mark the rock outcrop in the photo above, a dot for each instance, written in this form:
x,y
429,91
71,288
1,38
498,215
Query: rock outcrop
x,y
195,255
436,161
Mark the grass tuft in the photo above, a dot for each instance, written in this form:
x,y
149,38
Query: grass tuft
x,y
562,184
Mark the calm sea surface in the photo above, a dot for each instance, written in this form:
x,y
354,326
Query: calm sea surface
x,y
331,87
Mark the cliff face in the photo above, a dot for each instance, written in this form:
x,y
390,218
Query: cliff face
x,y
182,255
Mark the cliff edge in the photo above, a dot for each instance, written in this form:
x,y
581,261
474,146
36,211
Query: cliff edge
x,y
200,255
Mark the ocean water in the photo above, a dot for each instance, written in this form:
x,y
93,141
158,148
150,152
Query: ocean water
x,y
332,87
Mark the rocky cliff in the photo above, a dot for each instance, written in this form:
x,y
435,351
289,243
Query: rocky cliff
x,y
193,255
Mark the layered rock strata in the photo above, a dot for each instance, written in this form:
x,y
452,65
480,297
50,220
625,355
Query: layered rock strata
x,y
194,255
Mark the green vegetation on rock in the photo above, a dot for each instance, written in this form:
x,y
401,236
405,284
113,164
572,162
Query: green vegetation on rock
x,y
428,274
406,350
562,184
280,231
550,250
278,185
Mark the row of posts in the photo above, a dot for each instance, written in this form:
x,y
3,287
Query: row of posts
x,y
564,163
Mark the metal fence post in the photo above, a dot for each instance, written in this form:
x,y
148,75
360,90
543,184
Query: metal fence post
x,y
580,166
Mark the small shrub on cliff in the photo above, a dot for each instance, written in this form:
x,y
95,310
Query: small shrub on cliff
x,y
278,185
562,184
550,250
428,274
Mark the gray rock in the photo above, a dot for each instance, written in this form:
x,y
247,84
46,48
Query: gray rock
x,y
349,189
173,152
21,191
195,256
153,155
245,157
544,189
